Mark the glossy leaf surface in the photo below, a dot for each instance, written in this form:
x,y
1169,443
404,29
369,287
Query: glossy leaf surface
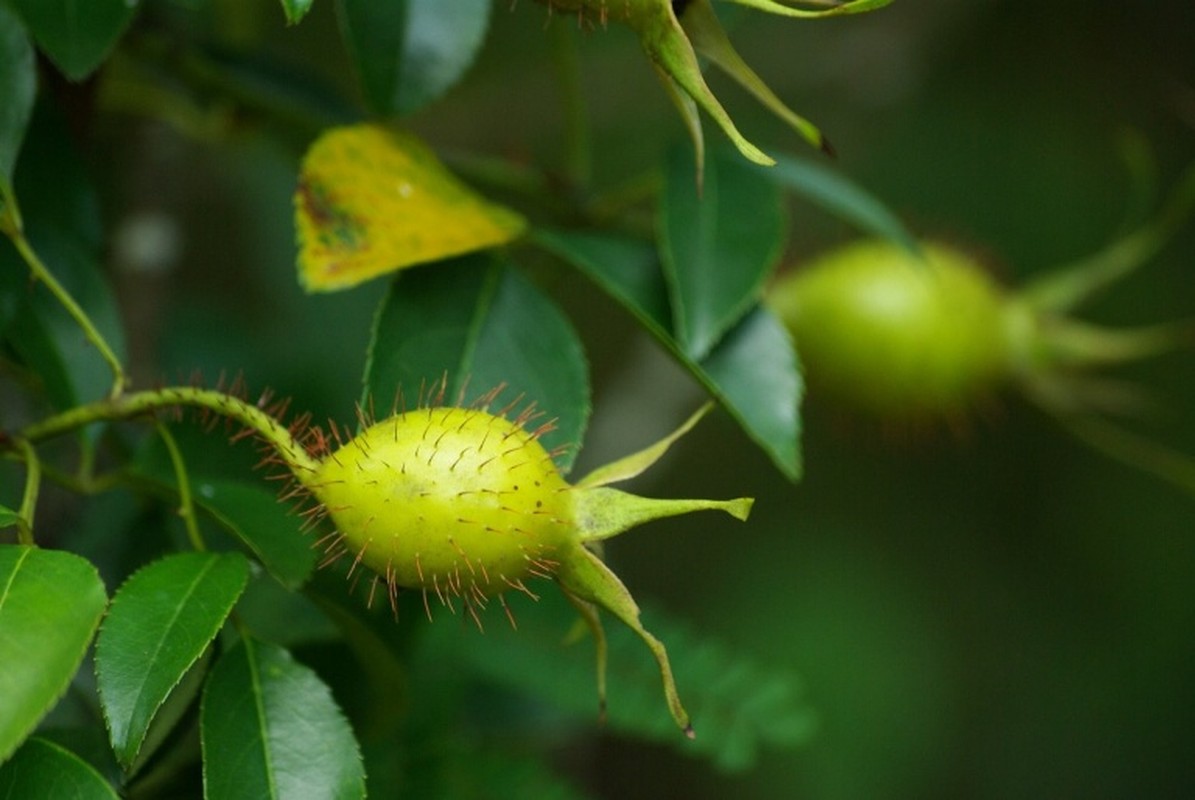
x,y
50,605
18,86
77,35
481,324
840,197
753,372
44,769
271,729
718,244
161,620
409,52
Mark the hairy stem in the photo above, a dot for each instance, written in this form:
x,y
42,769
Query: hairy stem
x,y
135,404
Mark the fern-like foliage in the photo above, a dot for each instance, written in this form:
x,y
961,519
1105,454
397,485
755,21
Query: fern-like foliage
x,y
738,705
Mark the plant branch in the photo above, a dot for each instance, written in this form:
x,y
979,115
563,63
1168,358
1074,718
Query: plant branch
x,y
578,160
29,499
43,274
136,404
186,505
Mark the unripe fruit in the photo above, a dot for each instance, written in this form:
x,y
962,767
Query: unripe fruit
x,y
464,506
905,337
883,332
449,500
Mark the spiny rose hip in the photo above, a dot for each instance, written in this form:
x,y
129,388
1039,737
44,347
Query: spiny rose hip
x,y
465,505
452,500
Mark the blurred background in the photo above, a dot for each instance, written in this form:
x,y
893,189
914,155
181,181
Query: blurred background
x,y
1004,613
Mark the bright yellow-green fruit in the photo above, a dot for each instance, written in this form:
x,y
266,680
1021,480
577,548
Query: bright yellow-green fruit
x,y
466,505
448,499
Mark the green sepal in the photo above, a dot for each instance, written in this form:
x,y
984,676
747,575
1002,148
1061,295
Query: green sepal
x,y
666,44
628,467
591,620
774,7
689,114
584,577
1065,288
710,40
602,512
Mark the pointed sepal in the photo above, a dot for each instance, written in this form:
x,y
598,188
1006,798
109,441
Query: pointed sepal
x,y
584,577
691,117
602,512
785,10
666,44
1065,288
591,620
629,466
710,40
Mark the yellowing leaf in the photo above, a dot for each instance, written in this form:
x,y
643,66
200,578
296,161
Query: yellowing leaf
x,y
371,201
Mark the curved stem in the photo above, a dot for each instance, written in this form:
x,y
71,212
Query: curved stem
x,y
41,273
29,499
186,506
273,432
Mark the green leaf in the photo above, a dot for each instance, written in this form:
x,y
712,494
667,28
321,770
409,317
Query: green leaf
x,y
249,510
45,337
42,768
409,52
753,372
840,197
18,87
260,521
76,34
718,244
159,623
54,183
271,729
50,604
481,324
295,10
63,225
8,517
